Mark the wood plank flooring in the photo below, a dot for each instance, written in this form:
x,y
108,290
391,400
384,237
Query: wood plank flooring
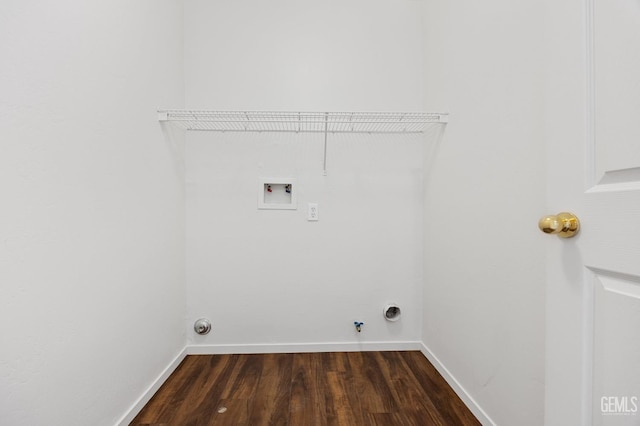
x,y
305,389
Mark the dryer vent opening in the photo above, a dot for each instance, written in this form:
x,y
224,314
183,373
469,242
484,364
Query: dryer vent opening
x,y
391,312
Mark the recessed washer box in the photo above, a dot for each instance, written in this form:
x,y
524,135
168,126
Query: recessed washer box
x,y
277,193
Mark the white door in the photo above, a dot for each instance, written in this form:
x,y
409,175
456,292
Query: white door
x,y
593,145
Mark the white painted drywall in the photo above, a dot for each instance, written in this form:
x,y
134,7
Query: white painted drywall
x,y
270,276
92,220
298,55
484,257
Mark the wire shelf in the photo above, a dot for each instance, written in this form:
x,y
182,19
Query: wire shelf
x,y
302,122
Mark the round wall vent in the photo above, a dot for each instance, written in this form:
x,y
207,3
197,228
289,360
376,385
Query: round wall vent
x,y
391,312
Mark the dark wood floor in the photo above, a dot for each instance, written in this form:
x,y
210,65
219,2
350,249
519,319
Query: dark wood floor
x,y
343,388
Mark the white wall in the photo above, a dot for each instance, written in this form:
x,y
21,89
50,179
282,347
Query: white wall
x,y
484,258
271,277
92,220
300,55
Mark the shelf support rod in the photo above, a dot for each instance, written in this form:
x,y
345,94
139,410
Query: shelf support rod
x,y
326,127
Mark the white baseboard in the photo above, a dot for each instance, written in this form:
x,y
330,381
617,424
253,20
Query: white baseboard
x,y
146,396
302,347
457,387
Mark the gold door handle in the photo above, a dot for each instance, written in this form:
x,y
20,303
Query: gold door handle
x,y
565,224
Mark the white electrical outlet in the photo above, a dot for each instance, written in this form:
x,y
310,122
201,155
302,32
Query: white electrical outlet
x,y
312,213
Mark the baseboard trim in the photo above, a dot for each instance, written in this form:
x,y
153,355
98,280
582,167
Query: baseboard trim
x,y
146,396
302,347
457,387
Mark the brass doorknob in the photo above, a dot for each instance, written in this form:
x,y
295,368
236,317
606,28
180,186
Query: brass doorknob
x,y
565,224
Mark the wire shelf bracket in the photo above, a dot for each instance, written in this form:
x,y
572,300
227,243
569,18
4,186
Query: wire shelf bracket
x,y
303,122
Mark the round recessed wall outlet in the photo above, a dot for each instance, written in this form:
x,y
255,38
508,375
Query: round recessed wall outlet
x,y
202,326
